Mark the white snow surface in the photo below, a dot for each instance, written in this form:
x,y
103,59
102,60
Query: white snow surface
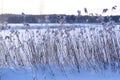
x,y
68,74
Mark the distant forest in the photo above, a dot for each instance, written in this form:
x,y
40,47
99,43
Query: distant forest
x,y
56,18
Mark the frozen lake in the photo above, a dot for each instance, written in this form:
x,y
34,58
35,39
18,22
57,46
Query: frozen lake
x,y
46,26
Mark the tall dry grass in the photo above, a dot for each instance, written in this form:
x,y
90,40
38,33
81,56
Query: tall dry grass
x,y
95,48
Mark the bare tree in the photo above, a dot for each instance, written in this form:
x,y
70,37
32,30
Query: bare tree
x,y
79,12
105,10
114,7
85,9
24,16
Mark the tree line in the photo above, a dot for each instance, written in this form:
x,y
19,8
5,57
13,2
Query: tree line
x,y
57,18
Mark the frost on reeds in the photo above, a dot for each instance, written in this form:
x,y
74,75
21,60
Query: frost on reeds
x,y
95,48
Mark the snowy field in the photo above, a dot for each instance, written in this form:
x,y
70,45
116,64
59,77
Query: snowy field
x,y
60,52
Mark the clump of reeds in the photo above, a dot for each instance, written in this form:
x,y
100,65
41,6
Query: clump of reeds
x,y
90,48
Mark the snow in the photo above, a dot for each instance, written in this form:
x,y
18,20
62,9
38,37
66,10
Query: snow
x,y
47,25
28,74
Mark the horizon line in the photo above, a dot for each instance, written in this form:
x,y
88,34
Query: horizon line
x,y
61,14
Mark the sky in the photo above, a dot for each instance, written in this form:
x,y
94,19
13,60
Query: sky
x,y
58,6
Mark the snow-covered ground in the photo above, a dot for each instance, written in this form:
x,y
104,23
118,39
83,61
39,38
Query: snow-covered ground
x,y
57,74
12,38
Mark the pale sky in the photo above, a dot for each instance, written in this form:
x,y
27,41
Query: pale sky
x,y
57,6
